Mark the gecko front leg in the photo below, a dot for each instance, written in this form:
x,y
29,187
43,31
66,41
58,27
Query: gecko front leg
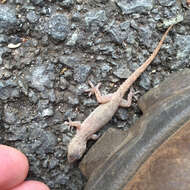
x,y
71,123
102,99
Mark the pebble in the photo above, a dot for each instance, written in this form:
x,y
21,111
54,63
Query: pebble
x,y
58,27
8,18
81,73
95,19
140,6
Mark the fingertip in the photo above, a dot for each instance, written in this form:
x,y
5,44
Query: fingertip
x,y
31,185
13,165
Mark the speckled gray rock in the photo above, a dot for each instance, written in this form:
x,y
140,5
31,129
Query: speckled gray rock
x,y
43,141
122,71
37,2
118,32
16,133
58,27
44,108
48,94
167,3
105,69
3,39
2,51
95,19
32,17
145,33
70,61
63,83
81,72
122,114
41,77
139,6
145,81
183,51
7,18
73,39
9,115
8,89
67,3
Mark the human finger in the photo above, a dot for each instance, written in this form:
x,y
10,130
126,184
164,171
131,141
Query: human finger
x,y
13,167
31,185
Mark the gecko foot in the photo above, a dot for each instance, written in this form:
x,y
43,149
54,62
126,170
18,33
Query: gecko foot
x,y
134,93
93,88
71,123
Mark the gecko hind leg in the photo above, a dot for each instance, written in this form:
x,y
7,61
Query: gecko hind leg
x,y
127,103
95,90
71,123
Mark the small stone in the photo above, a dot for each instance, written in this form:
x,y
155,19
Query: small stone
x,y
117,35
66,139
145,81
80,89
32,17
44,141
9,115
69,113
47,112
66,3
17,133
53,163
33,97
70,61
61,179
48,94
81,73
122,114
125,26
76,17
72,41
90,102
105,69
73,100
95,19
5,74
135,6
63,83
8,90
122,72
182,57
3,39
58,27
46,11
167,3
2,51
40,77
23,85
8,18
37,2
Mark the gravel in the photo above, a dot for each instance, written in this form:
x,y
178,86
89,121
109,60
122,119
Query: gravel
x,y
65,43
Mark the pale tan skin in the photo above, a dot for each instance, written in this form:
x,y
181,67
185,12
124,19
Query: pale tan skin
x,y
107,109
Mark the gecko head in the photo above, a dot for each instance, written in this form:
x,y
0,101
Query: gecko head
x,y
76,149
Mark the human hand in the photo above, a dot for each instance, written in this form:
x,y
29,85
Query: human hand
x,y
14,169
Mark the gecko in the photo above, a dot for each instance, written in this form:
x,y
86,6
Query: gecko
x,y
105,111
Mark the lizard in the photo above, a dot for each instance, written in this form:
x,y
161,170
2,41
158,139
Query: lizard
x,y
104,112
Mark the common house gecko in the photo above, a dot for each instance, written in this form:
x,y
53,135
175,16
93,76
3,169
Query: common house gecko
x,y
104,112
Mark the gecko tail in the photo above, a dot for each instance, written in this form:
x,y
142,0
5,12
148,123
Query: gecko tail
x,y
127,83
